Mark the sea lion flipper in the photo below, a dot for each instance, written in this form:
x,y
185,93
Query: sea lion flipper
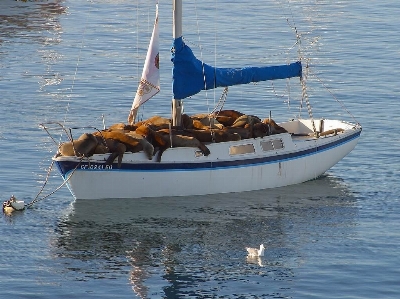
x,y
204,149
159,153
111,158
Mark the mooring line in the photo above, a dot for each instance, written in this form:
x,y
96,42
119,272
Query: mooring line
x,y
37,199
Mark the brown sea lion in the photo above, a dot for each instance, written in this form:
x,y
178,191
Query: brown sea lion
x,y
189,141
213,135
274,127
181,138
112,146
155,138
198,125
122,127
152,136
260,130
187,121
84,146
203,121
120,136
146,146
224,136
155,120
244,133
101,148
227,117
133,142
244,120
162,140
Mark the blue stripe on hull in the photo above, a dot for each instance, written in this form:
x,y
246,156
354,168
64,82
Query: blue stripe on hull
x,y
67,166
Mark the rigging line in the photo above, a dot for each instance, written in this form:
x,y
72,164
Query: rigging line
x,y
201,53
37,199
137,40
304,76
303,81
336,99
215,50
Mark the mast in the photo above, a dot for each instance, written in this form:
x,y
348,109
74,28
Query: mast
x,y
177,105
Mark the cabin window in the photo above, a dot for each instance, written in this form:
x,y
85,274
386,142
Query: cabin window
x,y
267,146
278,144
241,149
272,145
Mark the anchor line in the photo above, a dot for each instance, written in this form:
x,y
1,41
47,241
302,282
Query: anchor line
x,y
37,199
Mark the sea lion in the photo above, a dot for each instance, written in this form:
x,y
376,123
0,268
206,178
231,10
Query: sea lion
x,y
130,142
244,133
274,127
203,121
133,142
231,113
112,146
117,150
189,141
224,136
244,120
155,138
155,120
187,121
147,147
213,135
227,117
122,127
162,140
260,130
84,146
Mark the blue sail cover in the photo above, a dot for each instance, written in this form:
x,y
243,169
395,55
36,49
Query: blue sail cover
x,y
189,78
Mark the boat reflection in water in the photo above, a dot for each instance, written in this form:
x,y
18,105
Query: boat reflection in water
x,y
167,247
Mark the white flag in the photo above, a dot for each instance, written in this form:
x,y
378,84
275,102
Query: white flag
x,y
150,81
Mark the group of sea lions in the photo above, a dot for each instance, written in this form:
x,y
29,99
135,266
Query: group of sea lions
x,y
155,135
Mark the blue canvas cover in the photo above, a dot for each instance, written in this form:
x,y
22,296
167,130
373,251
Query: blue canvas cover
x,y
189,78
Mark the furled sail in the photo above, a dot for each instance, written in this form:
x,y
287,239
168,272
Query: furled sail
x,y
150,81
190,75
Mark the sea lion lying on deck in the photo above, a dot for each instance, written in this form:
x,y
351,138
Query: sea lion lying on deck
x,y
274,127
114,142
244,120
227,117
260,130
84,146
112,146
88,144
133,142
158,121
162,140
201,121
208,135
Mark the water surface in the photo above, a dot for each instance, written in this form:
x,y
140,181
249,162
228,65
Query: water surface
x,y
76,61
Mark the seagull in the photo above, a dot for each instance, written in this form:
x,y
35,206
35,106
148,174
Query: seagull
x,y
252,252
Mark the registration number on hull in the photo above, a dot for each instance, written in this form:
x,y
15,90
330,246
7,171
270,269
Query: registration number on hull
x,y
96,166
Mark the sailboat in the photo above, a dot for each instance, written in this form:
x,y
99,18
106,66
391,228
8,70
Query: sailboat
x,y
270,155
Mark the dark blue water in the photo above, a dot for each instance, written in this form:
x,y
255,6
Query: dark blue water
x,y
74,61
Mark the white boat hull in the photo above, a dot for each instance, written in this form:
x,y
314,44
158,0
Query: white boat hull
x,y
249,164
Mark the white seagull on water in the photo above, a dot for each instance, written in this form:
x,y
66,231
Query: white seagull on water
x,y
256,252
